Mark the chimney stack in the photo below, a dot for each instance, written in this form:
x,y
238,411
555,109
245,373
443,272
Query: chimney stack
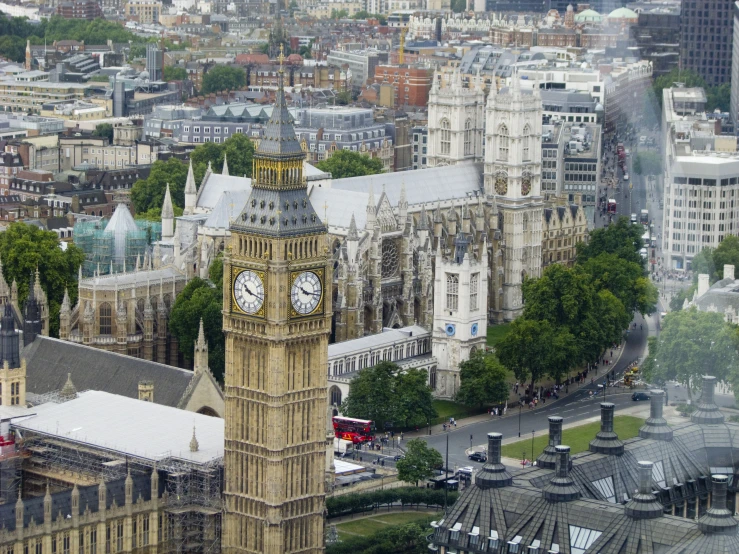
x,y
703,284
718,519
707,412
562,487
607,441
655,427
548,458
493,474
644,504
728,271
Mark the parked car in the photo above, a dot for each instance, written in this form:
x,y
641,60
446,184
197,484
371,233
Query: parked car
x,y
398,457
478,457
640,396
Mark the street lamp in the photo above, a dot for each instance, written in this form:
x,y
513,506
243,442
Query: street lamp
x,y
520,406
532,445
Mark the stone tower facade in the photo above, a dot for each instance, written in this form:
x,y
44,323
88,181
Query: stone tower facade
x,y
512,178
460,310
456,120
277,320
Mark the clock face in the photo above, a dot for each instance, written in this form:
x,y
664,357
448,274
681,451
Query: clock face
x,y
473,330
501,185
306,293
525,185
249,291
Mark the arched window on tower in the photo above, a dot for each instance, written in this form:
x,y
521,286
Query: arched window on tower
x,y
468,137
106,319
446,136
526,148
452,291
503,143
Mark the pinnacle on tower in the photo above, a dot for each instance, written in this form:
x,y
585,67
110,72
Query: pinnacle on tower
x,y
69,391
190,182
353,234
167,216
225,166
194,445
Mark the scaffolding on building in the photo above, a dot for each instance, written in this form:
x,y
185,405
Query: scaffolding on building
x,y
106,250
191,491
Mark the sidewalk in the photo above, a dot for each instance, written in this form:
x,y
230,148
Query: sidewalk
x,y
513,401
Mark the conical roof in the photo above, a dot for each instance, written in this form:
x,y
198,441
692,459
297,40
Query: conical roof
x,y
279,134
120,225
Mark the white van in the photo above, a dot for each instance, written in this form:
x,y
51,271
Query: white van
x,y
633,218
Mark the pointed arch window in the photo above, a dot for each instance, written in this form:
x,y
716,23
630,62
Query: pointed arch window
x,y
474,290
526,145
106,319
503,143
452,291
468,137
446,136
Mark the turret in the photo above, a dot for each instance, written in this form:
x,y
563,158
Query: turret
x,y
402,204
65,316
9,340
352,241
167,216
225,166
191,192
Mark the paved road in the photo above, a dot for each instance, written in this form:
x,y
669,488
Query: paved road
x,y
576,406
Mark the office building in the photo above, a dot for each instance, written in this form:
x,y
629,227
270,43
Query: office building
x,y
706,30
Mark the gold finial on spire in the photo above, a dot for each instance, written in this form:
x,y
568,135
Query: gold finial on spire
x,y
281,58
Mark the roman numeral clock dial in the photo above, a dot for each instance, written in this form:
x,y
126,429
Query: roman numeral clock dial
x,y
306,293
248,291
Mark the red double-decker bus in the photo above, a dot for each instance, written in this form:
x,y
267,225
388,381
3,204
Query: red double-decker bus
x,y
355,430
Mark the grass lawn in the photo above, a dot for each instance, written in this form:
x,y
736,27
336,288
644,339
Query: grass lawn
x,y
497,332
577,438
373,524
447,409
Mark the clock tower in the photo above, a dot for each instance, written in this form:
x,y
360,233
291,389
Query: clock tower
x,y
277,320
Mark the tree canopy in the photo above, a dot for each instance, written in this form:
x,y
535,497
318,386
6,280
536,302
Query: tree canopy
x,y
692,343
104,130
389,397
24,248
534,349
174,73
717,97
148,194
223,77
201,299
620,238
712,260
483,381
345,163
419,463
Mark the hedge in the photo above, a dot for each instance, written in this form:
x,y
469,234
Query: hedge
x,y
407,496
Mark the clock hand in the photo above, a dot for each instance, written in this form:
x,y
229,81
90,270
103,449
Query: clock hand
x,y
254,294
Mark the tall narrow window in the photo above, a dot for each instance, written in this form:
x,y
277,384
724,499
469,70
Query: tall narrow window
x,y
106,319
526,149
452,291
474,288
503,143
446,136
468,137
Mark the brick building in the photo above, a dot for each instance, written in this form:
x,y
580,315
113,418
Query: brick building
x,y
80,9
411,84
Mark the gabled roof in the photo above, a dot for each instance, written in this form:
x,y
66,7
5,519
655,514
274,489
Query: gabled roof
x,y
49,361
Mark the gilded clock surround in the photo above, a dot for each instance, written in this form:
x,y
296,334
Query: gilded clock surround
x,y
318,310
235,308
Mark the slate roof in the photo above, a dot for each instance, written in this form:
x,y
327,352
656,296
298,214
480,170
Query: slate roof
x,y
49,361
279,134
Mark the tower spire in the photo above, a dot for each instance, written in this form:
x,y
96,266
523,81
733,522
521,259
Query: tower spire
x,y
225,165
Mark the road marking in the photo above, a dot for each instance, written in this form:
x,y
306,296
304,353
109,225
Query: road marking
x,y
565,411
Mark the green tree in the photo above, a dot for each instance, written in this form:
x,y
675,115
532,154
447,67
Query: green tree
x,y
690,78
419,463
711,261
155,214
238,150
174,73
625,279
483,381
149,193
224,77
647,162
458,6
104,130
692,343
620,238
343,98
414,400
371,395
533,349
306,52
25,248
345,163
390,397
200,299
718,97
679,297
339,14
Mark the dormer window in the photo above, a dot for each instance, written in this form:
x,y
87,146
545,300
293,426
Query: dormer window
x,y
514,546
474,536
493,541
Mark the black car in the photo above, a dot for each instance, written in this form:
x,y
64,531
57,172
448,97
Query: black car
x,y
478,457
640,396
398,457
